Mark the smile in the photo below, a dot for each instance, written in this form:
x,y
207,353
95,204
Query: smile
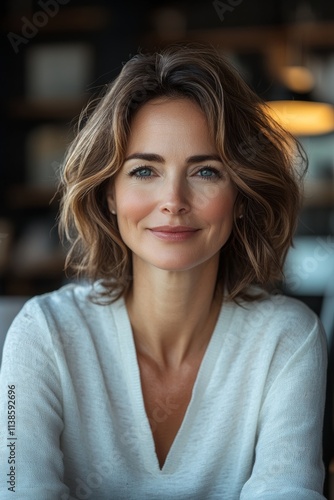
x,y
173,233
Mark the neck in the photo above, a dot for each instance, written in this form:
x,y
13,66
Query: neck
x,y
173,314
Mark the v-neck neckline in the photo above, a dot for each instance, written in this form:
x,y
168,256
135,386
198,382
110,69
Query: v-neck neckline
x,y
134,386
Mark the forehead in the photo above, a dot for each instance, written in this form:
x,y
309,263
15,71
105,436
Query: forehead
x,y
168,106
170,122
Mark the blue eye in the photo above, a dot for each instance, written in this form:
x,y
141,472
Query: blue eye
x,y
209,173
141,172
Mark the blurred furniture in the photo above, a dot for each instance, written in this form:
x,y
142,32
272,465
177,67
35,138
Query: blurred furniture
x,y
49,68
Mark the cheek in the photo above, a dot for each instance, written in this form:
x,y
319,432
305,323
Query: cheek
x,y
217,204
132,205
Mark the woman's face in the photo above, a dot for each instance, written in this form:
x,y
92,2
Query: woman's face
x,y
173,198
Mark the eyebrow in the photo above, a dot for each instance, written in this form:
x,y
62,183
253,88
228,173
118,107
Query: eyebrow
x,y
159,159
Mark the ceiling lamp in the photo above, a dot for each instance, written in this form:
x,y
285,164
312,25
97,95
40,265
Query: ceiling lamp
x,y
298,79
303,118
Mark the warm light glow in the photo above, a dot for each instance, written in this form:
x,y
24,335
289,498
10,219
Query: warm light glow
x,y
297,78
303,117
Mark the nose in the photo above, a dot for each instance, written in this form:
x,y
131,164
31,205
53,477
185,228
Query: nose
x,y
175,198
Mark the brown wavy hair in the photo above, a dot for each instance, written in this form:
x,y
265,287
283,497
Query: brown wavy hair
x,y
264,162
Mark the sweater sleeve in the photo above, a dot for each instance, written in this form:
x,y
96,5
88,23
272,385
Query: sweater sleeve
x,y
288,455
30,411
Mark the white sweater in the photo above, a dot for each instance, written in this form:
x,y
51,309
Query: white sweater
x,y
252,429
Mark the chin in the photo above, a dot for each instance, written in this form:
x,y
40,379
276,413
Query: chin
x,y
180,265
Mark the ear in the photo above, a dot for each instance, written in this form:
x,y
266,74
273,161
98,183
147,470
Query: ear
x,y
111,198
238,209
239,206
240,212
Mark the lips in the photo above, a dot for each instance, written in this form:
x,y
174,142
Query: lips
x,y
173,233
174,229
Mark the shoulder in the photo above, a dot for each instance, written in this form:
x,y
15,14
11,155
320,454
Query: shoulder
x,y
71,299
68,294
279,310
276,335
279,320
69,309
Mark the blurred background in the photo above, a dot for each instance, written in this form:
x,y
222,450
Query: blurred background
x,y
57,54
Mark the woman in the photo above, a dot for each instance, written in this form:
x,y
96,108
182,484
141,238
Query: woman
x,y
173,373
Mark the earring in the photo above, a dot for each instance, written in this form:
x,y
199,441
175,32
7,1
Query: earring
x,y
113,212
240,216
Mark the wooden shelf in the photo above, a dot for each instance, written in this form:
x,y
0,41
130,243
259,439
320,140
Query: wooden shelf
x,y
311,35
50,267
61,109
234,39
68,19
257,38
25,197
32,260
